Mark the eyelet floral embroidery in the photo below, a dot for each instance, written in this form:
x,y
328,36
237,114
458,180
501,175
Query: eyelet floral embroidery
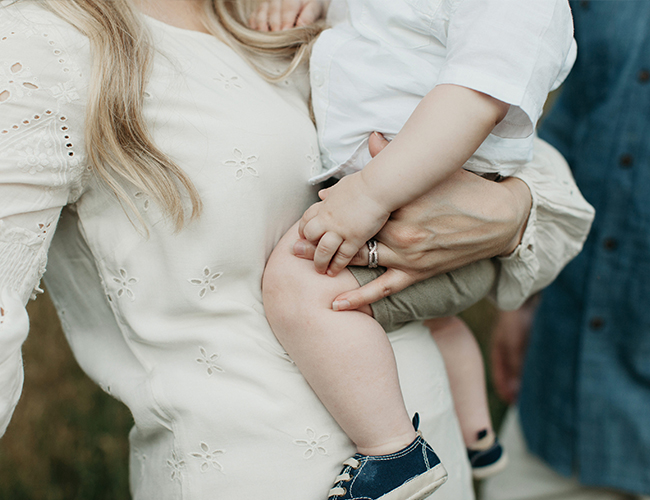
x,y
313,443
208,458
43,229
65,92
125,284
243,165
209,361
206,282
177,465
16,80
145,200
33,160
228,81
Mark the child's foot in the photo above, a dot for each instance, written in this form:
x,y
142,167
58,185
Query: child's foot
x,y
486,456
412,473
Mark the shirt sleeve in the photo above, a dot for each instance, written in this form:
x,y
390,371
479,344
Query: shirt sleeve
x,y
558,225
516,51
41,170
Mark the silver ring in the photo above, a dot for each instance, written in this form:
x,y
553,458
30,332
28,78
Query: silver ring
x,y
373,256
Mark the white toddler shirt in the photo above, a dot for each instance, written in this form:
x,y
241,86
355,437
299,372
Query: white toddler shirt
x,y
381,57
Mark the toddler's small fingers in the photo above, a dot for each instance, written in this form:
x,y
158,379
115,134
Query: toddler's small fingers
x,y
314,231
309,14
261,17
309,214
327,246
290,11
342,258
275,15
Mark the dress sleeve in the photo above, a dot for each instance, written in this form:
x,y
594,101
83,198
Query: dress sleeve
x,y
41,170
558,225
512,50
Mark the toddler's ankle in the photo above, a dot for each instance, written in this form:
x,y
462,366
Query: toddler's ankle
x,y
392,445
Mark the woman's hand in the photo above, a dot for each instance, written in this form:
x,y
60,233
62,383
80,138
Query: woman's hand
x,y
464,219
278,15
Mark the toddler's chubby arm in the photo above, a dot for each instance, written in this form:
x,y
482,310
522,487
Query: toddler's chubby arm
x,y
278,15
445,129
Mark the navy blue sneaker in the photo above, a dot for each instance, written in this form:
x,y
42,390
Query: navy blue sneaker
x,y
412,473
486,456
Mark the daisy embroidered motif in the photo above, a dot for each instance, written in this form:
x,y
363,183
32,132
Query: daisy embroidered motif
x,y
208,458
125,284
65,92
242,165
209,361
176,465
206,282
314,444
228,82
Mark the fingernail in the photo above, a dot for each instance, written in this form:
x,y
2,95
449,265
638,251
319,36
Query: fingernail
x,y
299,248
340,305
330,273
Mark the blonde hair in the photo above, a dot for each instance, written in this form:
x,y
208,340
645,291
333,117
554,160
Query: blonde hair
x,y
118,143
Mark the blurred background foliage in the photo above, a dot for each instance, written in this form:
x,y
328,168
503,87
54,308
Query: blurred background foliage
x,y
68,439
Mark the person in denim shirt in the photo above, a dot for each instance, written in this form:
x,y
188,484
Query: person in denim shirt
x,y
584,403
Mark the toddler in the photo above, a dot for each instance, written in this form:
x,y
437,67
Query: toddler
x,y
453,84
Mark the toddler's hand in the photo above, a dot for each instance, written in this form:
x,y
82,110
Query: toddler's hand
x,y
278,15
342,223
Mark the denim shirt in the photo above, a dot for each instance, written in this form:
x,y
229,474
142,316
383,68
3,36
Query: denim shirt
x,y
585,400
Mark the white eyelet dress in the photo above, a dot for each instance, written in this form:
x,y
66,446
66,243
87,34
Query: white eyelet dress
x,y
172,324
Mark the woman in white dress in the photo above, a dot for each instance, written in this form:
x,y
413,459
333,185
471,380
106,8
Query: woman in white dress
x,y
167,198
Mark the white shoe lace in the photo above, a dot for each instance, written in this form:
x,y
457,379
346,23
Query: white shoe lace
x,y
339,491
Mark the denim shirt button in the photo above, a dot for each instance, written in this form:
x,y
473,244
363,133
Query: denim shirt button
x,y
584,4
626,160
596,323
610,243
644,76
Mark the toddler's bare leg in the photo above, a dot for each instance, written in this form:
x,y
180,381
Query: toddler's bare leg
x,y
466,374
345,356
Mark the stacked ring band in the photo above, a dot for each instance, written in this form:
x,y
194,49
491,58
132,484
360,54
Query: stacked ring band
x,y
373,256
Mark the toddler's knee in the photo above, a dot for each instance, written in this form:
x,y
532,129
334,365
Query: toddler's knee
x,y
291,293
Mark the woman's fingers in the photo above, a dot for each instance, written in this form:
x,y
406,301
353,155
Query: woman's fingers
x,y
392,281
305,250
